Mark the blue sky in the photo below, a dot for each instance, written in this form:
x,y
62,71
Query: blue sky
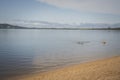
x,y
61,11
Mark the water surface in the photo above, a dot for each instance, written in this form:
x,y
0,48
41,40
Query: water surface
x,y
32,51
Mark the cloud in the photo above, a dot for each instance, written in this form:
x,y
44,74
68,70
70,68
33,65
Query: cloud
x,y
98,6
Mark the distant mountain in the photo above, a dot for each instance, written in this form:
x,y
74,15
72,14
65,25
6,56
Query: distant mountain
x,y
9,26
99,25
84,27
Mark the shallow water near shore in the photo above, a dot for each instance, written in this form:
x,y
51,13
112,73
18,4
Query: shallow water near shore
x,y
25,51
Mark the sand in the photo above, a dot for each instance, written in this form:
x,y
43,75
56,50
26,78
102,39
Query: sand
x,y
106,69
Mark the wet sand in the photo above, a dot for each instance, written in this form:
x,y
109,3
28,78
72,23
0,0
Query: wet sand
x,y
105,69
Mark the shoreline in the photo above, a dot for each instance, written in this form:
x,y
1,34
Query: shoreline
x,y
104,69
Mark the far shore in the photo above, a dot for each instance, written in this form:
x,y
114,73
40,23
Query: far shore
x,y
64,28
105,69
9,26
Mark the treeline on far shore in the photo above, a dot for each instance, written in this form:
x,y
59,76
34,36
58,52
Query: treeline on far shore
x,y
8,26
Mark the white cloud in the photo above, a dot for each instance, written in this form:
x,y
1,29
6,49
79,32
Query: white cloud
x,y
99,6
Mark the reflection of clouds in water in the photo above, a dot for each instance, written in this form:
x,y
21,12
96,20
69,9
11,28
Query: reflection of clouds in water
x,y
40,50
83,42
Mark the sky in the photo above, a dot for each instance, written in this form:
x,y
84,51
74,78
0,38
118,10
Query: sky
x,y
59,11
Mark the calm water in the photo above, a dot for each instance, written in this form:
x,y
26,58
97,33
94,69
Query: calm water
x,y
32,51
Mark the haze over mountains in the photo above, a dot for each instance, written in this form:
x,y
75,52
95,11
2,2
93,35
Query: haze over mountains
x,y
45,24
62,26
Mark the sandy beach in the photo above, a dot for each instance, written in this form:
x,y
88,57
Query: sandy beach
x,y
105,69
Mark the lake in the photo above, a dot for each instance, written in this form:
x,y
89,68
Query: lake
x,y
27,51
